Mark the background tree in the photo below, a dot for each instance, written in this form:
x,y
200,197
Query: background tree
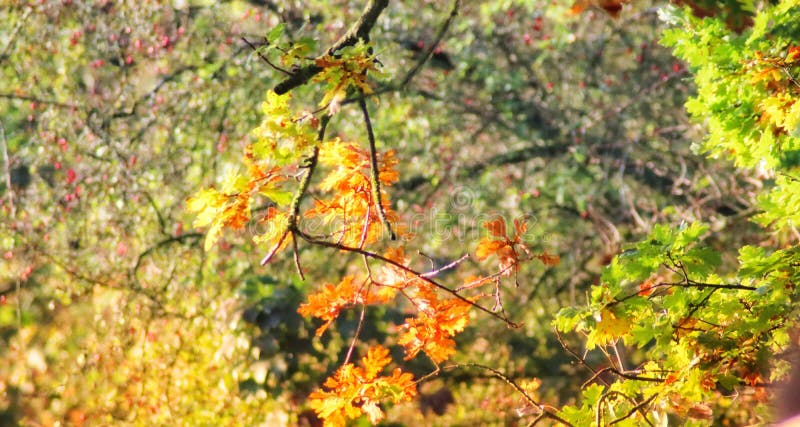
x,y
113,114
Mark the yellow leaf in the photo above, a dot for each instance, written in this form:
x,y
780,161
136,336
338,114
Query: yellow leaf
x,y
212,235
207,204
610,328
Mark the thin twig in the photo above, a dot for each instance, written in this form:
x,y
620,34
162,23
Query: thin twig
x,y
578,357
275,248
433,273
546,410
375,178
265,59
636,408
294,207
355,335
310,164
536,420
297,259
432,48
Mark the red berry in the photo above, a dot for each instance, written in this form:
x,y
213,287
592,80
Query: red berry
x,y
71,176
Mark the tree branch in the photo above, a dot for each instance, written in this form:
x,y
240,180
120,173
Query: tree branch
x,y
294,207
359,31
442,31
545,409
38,100
264,58
375,177
315,241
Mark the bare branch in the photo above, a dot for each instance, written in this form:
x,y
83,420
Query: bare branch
x,y
442,31
546,410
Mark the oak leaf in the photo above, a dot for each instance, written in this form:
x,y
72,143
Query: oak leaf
x,y
354,391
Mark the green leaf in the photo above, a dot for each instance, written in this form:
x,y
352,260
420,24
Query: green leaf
x,y
275,33
592,394
280,197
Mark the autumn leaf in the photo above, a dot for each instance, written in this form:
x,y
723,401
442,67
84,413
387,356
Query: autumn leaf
x,y
548,259
497,228
646,287
351,207
612,7
354,391
498,243
610,327
435,325
487,248
328,302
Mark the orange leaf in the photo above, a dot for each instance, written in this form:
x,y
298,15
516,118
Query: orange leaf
x,y
578,7
432,330
355,391
497,227
646,287
521,226
487,247
548,259
376,359
330,300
